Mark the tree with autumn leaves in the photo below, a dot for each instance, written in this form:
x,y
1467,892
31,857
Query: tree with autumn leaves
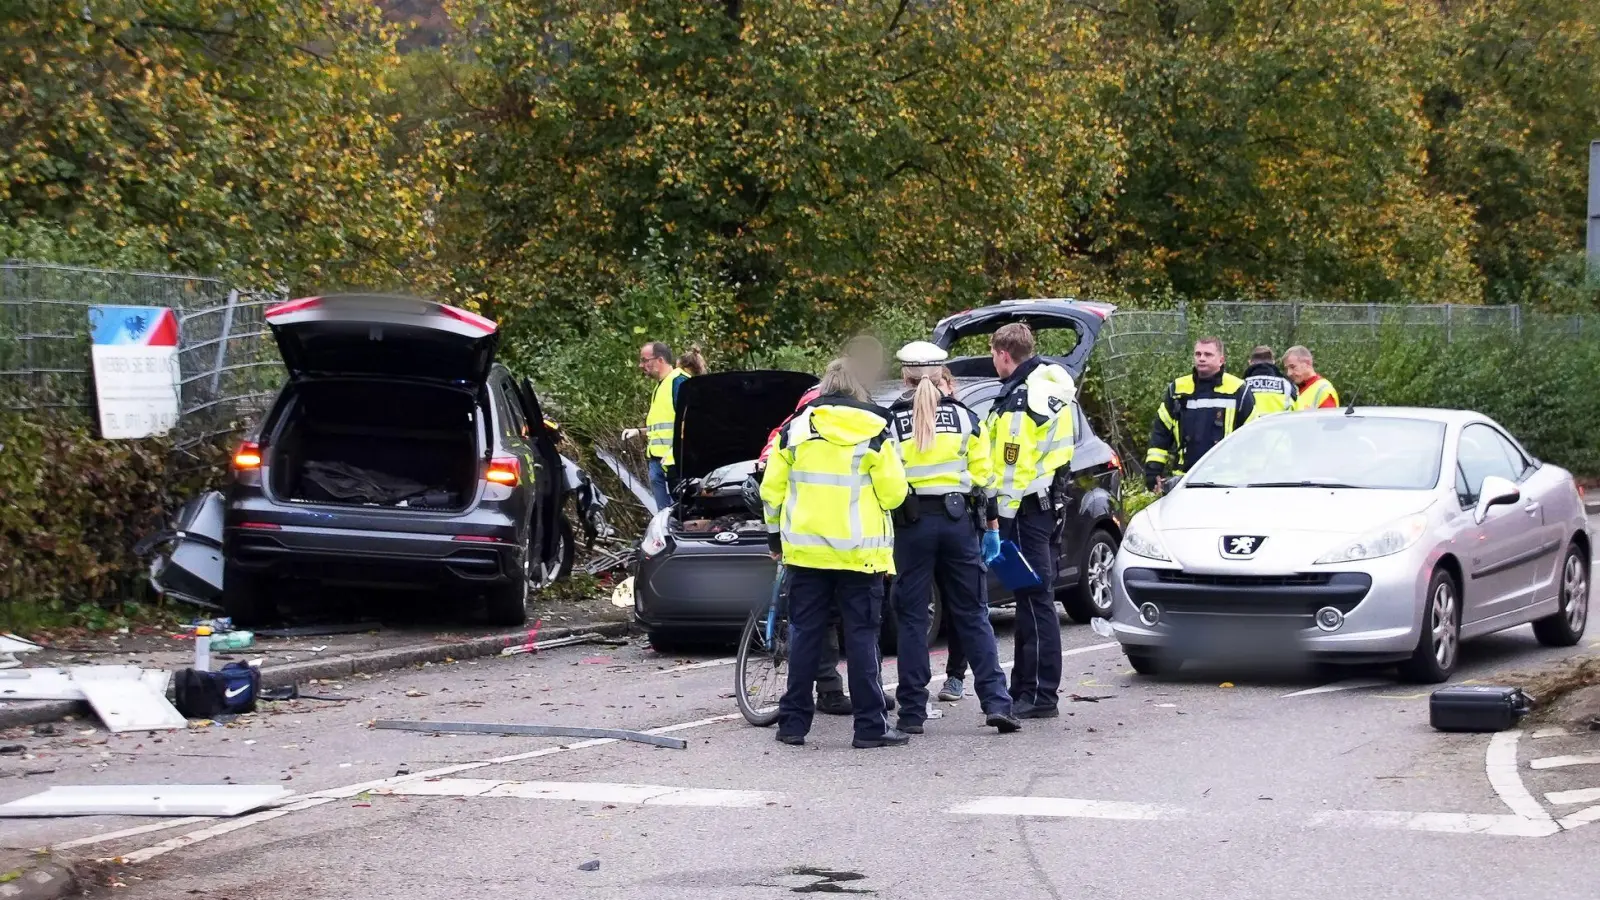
x,y
810,166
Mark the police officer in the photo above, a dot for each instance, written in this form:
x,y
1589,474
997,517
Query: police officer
x,y
827,493
936,536
1197,410
1274,392
1030,428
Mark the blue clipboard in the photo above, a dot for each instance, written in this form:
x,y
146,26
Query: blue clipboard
x,y
1013,568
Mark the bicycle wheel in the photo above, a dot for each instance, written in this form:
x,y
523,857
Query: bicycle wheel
x,y
761,674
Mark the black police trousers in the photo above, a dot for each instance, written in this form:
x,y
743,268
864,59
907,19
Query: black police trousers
x,y
936,549
858,597
1036,675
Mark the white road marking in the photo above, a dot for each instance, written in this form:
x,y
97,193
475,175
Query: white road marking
x,y
1349,684
1064,807
319,798
1572,798
1500,765
587,792
131,832
1448,823
1561,762
1582,817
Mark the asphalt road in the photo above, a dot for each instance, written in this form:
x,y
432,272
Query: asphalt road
x,y
1280,785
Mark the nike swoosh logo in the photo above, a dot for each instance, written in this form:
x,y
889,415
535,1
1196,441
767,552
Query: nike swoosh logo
x,y
236,692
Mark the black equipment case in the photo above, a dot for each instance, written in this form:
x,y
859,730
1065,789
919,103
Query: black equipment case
x,y
1477,708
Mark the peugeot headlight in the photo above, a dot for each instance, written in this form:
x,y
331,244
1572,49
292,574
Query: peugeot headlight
x,y
655,534
1141,540
1386,541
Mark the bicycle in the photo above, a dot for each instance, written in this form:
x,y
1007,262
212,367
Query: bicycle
x,y
761,672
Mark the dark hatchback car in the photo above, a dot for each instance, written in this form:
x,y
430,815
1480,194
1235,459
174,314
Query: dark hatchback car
x,y
398,455
698,583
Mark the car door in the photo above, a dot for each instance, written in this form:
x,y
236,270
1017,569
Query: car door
x,y
514,440
550,492
1502,548
1539,485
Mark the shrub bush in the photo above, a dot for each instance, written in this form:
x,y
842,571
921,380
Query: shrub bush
x,y
71,508
1534,381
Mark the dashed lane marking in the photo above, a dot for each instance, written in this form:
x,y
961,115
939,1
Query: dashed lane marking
x,y
318,798
1561,762
1572,798
586,792
1500,765
1348,684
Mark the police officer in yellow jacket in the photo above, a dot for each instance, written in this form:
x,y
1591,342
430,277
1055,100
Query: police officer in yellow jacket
x,y
1197,410
1030,428
1272,390
827,493
936,536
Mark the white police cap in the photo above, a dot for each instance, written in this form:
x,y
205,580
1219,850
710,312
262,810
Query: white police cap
x,y
922,353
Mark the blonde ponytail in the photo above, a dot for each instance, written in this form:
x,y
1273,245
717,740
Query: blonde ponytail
x,y
923,407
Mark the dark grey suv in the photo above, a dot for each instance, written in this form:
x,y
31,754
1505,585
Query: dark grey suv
x,y
397,455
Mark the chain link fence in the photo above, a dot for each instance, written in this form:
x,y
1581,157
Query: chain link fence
x,y
228,365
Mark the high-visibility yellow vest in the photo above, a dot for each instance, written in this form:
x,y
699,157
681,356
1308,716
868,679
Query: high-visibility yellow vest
x,y
957,463
1274,394
661,418
1314,395
1031,435
830,485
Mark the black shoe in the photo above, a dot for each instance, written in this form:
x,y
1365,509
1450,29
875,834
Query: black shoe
x,y
834,703
793,740
1004,722
888,702
1029,711
890,738
908,727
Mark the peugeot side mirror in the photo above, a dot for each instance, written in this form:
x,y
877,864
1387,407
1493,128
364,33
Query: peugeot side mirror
x,y
1496,491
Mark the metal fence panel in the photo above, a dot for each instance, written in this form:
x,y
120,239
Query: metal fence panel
x,y
228,364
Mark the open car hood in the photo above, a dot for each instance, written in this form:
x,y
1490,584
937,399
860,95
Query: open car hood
x,y
725,417
1075,315
386,336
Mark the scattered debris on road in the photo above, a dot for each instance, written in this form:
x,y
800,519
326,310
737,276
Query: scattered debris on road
x,y
618,734
592,865
585,638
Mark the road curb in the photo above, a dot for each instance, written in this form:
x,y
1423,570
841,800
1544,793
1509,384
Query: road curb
x,y
42,880
334,667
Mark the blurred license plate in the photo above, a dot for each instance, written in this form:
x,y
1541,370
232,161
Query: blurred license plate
x,y
1238,637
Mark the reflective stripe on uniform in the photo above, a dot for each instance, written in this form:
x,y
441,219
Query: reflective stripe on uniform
x,y
854,543
1210,403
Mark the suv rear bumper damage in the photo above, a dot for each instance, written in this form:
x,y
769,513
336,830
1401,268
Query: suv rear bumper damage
x,y
374,558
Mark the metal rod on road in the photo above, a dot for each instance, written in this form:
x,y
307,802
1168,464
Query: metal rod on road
x,y
618,734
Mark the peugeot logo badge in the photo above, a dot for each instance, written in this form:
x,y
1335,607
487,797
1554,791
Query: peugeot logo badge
x,y
1241,546
727,537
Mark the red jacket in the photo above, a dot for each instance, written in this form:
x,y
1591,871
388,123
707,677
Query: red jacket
x,y
772,439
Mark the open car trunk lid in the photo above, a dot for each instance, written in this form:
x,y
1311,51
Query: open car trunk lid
x,y
1075,315
725,417
384,336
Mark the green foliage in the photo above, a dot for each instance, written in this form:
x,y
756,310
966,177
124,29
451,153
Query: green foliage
x,y
71,508
213,136
821,159
1529,380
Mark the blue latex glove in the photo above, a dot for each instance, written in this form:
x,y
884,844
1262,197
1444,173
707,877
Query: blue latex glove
x,y
991,546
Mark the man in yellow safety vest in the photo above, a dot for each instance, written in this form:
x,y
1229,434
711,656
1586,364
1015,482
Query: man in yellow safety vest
x,y
1316,392
656,360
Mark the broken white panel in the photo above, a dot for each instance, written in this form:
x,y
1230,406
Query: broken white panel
x,y
125,705
57,684
145,800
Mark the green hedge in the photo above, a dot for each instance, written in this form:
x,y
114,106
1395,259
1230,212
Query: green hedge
x,y
71,508
1537,381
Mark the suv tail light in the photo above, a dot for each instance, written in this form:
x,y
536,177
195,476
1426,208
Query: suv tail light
x,y
504,470
247,457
